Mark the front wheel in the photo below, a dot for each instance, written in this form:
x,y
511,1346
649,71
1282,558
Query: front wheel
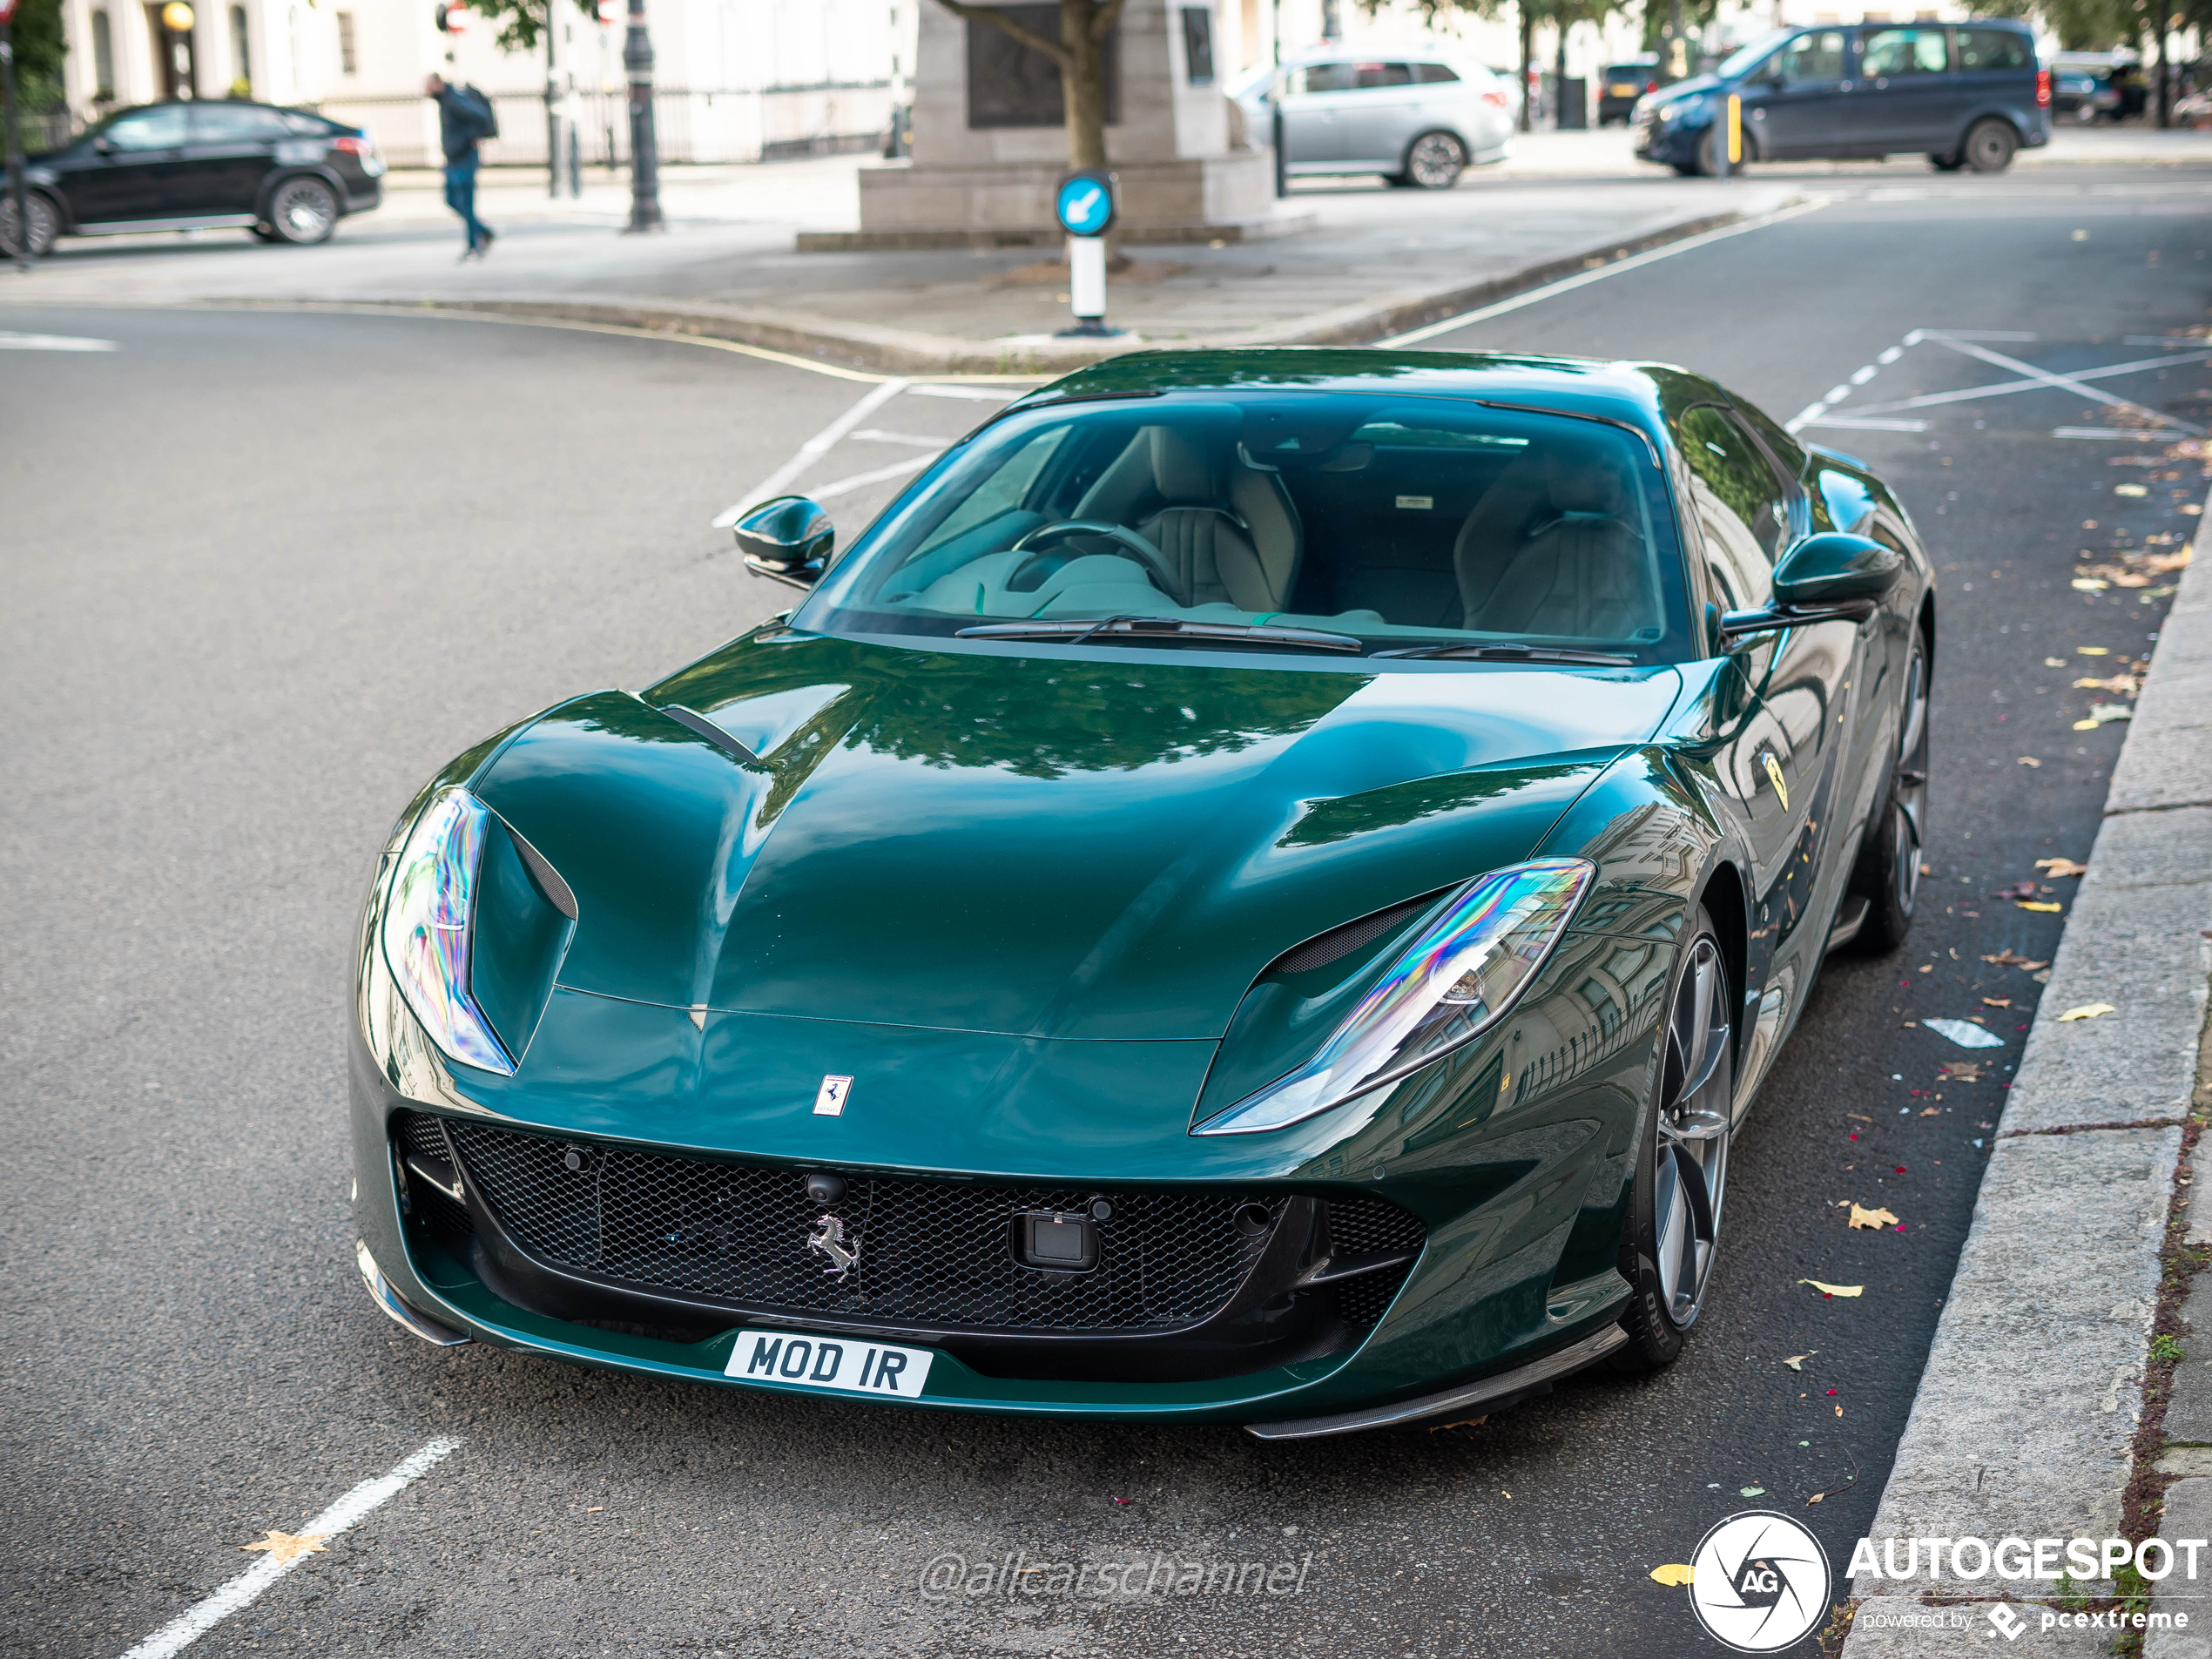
x,y
1989,148
1673,1230
1435,161
1888,873
303,211
45,223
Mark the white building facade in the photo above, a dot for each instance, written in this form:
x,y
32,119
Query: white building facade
x,y
736,80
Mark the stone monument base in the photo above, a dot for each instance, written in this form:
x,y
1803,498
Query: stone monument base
x,y
1228,198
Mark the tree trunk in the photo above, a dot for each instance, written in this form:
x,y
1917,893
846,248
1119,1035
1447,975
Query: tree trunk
x,y
1527,63
1082,82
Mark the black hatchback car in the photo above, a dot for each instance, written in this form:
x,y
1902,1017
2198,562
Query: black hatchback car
x,y
1969,95
285,175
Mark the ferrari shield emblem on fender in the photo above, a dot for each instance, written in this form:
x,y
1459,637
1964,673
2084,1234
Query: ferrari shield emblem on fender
x,y
1774,776
828,1239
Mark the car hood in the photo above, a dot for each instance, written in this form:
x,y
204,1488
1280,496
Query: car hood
x,y
1675,90
1087,845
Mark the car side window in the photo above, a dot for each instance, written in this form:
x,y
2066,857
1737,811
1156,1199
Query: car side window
x,y
156,129
1784,448
1373,77
1434,74
1741,505
1993,48
235,123
1891,52
1323,77
1817,57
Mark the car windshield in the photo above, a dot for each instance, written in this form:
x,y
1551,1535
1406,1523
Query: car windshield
x,y
1382,519
1743,59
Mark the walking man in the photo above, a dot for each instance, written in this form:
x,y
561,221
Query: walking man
x,y
463,122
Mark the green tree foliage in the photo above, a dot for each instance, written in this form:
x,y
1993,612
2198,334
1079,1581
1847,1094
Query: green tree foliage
x,y
39,50
522,23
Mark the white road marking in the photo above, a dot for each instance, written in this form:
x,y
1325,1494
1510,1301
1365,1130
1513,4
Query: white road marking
x,y
980,394
1836,394
1860,423
811,451
10,342
188,1627
1920,334
862,480
1860,376
2073,382
877,435
2112,434
1890,356
1568,284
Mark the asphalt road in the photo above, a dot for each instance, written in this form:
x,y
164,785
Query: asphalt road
x,y
265,571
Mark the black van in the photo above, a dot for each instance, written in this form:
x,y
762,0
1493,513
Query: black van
x,y
1965,95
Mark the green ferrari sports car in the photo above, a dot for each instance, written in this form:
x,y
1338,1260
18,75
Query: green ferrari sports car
x,y
1259,890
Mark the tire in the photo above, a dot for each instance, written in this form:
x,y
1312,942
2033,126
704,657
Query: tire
x,y
1671,1236
1887,874
263,233
303,211
1989,146
1435,161
46,222
1946,164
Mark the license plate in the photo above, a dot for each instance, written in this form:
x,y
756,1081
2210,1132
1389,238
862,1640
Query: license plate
x,y
845,1363
1621,91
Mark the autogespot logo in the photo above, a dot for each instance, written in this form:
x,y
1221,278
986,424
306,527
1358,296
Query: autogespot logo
x,y
1759,1582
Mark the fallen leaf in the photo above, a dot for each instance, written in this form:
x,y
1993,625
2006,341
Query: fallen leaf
x,y
1834,1290
2104,714
2042,906
2006,959
2060,867
2129,490
1959,1071
1861,1116
2055,661
1674,1573
2192,510
2089,585
2088,1011
1816,1497
2030,760
1927,967
1797,1361
1997,1002
2091,650
1872,1221
1840,1411
1963,1033
1932,1111
289,1547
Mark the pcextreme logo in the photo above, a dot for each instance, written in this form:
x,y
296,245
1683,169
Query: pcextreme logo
x,y
1759,1582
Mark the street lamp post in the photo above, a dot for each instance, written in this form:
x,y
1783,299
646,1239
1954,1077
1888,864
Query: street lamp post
x,y
15,185
644,148
553,98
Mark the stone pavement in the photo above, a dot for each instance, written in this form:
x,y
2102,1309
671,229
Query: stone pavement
x,y
1377,261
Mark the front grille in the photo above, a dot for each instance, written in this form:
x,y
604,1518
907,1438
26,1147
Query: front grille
x,y
420,1137
932,1252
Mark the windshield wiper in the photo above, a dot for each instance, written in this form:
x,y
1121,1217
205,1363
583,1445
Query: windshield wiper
x,y
1168,629
1516,654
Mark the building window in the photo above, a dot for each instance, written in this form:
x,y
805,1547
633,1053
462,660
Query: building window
x,y
346,62
102,60
1198,44
241,55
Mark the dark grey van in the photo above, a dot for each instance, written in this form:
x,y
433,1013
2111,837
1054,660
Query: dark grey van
x,y
1965,95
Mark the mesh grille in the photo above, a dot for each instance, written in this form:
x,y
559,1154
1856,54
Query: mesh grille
x,y
930,1251
1339,942
419,1135
1370,1226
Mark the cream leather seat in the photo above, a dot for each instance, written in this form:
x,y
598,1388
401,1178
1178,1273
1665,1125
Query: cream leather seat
x,y
1553,549
1235,540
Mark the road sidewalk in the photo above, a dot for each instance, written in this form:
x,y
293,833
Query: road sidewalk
x,y
2044,1411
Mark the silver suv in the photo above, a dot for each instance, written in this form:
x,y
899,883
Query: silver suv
x,y
1415,118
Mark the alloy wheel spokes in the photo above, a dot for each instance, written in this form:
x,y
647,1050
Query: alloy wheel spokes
x,y
1693,1131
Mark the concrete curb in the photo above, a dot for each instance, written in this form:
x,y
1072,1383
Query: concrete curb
x,y
2025,1414
898,351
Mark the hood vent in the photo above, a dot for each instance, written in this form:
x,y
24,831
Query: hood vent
x,y
1341,941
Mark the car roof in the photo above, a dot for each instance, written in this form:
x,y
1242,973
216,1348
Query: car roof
x,y
1636,395
1333,54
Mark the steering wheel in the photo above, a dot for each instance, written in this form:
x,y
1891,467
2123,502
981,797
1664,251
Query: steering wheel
x,y
1131,545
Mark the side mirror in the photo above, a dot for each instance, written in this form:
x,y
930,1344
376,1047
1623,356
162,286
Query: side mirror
x,y
787,540
1834,576
104,146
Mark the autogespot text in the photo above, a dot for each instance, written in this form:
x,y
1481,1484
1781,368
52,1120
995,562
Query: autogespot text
x,y
2081,1560
952,1575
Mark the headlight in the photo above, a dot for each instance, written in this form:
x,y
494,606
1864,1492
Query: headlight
x,y
1456,980
428,917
